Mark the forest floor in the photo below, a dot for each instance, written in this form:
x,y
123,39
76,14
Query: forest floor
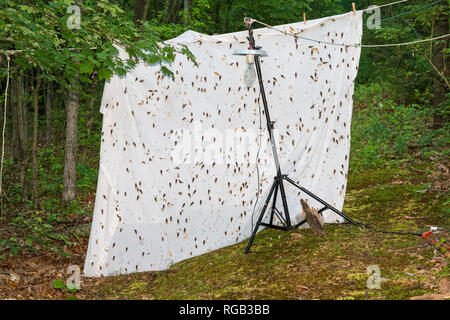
x,y
283,265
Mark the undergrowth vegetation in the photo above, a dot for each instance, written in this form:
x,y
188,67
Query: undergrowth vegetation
x,y
44,226
385,132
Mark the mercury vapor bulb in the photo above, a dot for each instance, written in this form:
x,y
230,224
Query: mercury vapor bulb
x,y
250,72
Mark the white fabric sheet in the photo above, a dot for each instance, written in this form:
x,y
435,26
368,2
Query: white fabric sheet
x,y
178,174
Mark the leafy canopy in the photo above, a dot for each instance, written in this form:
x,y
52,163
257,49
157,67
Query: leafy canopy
x,y
41,33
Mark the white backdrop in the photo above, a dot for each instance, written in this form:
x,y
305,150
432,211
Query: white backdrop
x,y
177,173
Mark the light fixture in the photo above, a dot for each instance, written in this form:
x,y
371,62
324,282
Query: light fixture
x,y
250,72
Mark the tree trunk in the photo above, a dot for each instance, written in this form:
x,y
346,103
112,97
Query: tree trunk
x,y
48,116
439,88
227,16
22,149
15,127
171,15
25,101
217,16
140,11
71,148
35,136
180,6
90,118
71,145
187,12
156,6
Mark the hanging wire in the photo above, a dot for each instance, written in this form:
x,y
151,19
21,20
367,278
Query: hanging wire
x,y
4,127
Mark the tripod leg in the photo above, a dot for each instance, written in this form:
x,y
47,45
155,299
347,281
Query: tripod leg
x,y
285,205
327,205
274,203
255,230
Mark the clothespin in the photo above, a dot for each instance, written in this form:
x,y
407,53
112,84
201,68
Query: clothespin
x,y
354,8
304,18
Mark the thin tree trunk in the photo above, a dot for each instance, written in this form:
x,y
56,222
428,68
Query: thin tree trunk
x,y
227,16
15,127
48,116
64,96
439,87
90,119
187,12
155,8
25,101
180,6
140,11
22,150
35,136
71,147
71,144
217,16
174,5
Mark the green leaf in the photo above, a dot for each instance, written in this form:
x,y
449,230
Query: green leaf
x,y
86,67
58,284
29,242
104,74
14,249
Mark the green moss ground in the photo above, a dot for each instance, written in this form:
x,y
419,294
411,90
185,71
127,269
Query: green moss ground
x,y
300,265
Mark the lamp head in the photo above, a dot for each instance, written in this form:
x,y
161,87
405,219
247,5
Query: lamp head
x,y
250,73
250,51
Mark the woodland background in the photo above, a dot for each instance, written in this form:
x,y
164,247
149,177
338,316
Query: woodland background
x,y
57,74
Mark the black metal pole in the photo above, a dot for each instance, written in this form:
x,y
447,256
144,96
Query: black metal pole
x,y
251,41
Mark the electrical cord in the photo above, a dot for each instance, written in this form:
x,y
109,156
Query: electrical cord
x,y
423,234
419,234
257,156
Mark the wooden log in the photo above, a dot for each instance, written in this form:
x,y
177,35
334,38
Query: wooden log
x,y
314,219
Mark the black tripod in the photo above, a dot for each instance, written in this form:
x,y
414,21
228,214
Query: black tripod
x,y
278,185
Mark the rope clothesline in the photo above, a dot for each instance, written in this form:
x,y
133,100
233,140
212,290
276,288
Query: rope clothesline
x,y
296,35
404,43
384,5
